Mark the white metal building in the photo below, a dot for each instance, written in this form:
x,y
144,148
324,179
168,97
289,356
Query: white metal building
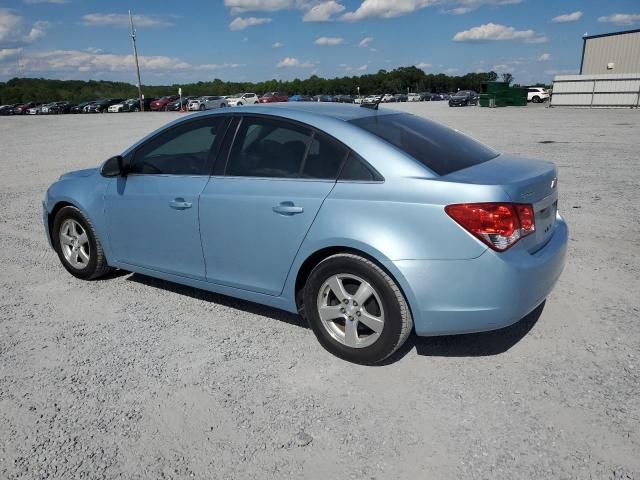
x,y
609,73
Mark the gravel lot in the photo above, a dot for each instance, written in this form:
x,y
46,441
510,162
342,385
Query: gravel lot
x,y
131,377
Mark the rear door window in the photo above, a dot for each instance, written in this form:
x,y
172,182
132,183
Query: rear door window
x,y
268,148
437,147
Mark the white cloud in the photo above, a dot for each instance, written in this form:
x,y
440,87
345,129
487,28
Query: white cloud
x,y
243,6
349,68
365,41
466,6
69,61
396,8
497,32
450,71
567,17
15,32
293,62
240,23
9,53
277,45
122,20
545,57
423,65
329,41
386,9
323,12
621,18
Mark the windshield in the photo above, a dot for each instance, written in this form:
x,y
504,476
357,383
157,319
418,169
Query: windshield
x,y
464,93
439,148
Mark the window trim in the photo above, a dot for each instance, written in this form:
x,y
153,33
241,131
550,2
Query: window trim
x,y
213,151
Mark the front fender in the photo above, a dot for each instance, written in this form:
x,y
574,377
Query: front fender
x,y
87,195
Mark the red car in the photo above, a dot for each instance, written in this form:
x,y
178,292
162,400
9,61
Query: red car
x,y
272,97
22,109
160,103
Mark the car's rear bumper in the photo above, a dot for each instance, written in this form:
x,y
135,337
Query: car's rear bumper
x,y
489,292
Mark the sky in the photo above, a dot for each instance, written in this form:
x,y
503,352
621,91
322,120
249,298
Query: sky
x,y
254,40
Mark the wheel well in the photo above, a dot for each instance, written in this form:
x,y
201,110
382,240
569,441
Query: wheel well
x,y
309,264
52,216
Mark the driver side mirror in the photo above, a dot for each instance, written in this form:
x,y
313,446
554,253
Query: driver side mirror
x,y
114,167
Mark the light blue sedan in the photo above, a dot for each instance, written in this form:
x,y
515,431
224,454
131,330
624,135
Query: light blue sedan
x,y
371,224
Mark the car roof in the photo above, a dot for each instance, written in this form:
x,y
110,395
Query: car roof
x,y
338,111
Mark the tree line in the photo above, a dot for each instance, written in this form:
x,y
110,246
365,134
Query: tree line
x,y
399,80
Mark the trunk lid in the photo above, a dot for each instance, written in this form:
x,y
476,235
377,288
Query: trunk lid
x,y
525,181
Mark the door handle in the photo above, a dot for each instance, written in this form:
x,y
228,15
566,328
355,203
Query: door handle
x,y
287,208
180,204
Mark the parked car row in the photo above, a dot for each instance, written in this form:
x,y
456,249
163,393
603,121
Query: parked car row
x,y
174,103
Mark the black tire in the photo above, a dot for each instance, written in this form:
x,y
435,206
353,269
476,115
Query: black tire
x,y
97,265
398,322
536,99
239,104
136,109
202,107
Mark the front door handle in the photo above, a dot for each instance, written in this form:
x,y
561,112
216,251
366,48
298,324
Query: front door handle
x,y
180,204
288,208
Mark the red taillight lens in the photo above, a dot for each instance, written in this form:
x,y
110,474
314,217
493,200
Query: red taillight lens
x,y
499,225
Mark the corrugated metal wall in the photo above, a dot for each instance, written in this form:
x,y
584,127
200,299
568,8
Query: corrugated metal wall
x,y
622,50
621,90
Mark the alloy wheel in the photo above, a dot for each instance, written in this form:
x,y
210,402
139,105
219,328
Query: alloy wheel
x,y
350,310
74,243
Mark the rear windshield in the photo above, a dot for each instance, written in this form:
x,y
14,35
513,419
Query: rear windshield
x,y
437,147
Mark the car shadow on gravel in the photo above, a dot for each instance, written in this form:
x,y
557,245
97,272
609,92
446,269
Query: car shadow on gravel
x,y
245,306
482,344
468,345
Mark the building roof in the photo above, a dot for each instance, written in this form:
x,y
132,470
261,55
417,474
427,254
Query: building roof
x,y
589,37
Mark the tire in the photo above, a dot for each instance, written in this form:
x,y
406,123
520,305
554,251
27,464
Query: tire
x,y
384,307
536,99
136,109
202,107
239,104
70,221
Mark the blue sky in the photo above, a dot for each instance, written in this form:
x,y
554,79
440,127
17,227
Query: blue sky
x,y
251,40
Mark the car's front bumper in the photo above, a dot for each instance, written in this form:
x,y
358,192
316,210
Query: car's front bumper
x,y
489,292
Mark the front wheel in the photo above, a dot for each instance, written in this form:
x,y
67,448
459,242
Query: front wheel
x,y
536,99
356,309
77,245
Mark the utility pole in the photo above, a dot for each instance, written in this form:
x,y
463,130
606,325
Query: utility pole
x,y
135,54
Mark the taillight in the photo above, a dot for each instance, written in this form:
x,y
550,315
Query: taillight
x,y
499,225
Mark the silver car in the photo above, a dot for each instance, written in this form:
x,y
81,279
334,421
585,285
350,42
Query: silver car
x,y
207,103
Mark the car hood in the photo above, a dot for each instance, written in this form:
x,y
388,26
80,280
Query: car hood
x,y
86,172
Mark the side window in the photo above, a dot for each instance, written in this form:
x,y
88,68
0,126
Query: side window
x,y
268,148
355,169
324,159
183,150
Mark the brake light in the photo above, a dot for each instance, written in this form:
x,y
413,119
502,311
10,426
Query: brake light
x,y
499,225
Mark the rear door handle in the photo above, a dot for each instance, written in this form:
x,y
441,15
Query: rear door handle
x,y
288,208
180,204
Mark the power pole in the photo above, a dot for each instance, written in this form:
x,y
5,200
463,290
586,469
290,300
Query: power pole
x,y
135,54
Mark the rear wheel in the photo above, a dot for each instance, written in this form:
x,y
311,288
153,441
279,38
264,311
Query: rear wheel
x,y
77,245
356,310
536,99
202,107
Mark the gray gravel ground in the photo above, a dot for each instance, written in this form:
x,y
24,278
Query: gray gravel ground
x,y
132,377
